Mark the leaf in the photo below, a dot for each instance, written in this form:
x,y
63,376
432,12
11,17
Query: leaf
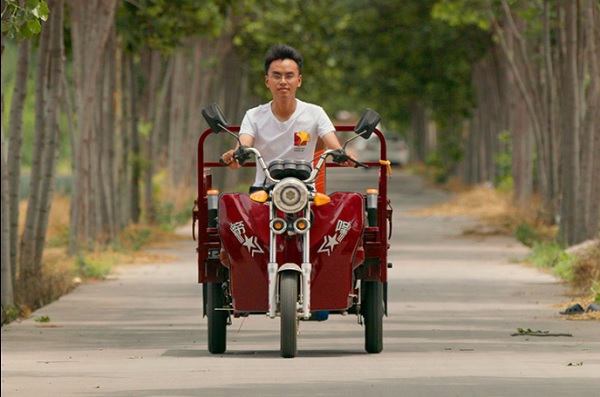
x,y
575,364
34,27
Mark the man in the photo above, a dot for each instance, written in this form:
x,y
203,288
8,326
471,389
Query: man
x,y
286,127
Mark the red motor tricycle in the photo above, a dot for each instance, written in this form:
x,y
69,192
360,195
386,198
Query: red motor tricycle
x,y
289,251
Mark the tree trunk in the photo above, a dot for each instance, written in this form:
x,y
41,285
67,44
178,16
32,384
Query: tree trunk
x,y
178,118
525,70
148,110
44,167
15,152
6,295
91,23
136,154
570,230
591,122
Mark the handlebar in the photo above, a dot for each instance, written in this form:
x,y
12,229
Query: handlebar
x,y
243,153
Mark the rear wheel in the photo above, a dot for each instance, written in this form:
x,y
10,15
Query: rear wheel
x,y
373,315
288,295
217,319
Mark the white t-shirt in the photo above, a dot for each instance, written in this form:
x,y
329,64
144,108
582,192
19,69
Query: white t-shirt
x,y
294,139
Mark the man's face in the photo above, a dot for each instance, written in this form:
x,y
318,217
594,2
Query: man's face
x,y
283,78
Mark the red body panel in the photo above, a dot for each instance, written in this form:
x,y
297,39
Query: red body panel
x,y
335,244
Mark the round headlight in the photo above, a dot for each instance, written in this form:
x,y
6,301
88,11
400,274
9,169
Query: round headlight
x,y
290,195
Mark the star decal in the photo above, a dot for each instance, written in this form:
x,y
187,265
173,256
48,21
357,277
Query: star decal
x,y
329,244
253,247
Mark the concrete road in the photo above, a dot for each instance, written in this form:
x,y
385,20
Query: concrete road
x,y
454,304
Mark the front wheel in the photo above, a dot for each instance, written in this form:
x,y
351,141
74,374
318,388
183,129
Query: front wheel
x,y
288,295
217,319
373,315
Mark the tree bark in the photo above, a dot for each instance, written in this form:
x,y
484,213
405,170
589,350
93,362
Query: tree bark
x,y
48,90
570,207
591,121
91,23
6,276
15,153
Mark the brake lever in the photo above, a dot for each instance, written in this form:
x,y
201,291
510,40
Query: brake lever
x,y
358,164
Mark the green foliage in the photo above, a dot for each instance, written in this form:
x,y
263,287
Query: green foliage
x,y
10,314
93,268
526,235
462,12
595,289
404,55
168,217
134,238
164,24
22,20
503,160
437,171
42,319
550,255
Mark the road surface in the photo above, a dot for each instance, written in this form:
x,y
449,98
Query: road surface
x,y
454,304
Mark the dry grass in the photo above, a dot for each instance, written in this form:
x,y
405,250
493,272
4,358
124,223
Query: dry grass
x,y
494,210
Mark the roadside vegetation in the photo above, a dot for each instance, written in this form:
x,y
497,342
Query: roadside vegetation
x,y
62,273
578,266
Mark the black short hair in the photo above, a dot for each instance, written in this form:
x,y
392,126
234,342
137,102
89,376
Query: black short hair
x,y
282,51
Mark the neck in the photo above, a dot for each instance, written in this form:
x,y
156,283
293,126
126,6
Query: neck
x,y
283,109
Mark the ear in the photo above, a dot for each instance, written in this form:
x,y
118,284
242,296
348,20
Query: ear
x,y
267,80
299,80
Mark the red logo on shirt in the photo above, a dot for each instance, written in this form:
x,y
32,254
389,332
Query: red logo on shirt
x,y
301,138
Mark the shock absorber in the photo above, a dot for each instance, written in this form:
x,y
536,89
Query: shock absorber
x,y
372,195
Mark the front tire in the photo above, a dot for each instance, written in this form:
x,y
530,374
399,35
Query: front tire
x,y
217,319
373,315
288,295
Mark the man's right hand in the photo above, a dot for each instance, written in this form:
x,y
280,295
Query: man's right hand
x,y
227,158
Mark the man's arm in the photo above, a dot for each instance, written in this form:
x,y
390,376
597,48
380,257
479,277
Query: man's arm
x,y
332,142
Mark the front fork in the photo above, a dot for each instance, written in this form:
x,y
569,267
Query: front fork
x,y
305,271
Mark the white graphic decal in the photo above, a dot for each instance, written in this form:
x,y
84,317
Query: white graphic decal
x,y
250,242
329,242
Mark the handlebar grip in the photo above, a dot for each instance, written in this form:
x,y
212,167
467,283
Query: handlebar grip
x,y
222,162
241,155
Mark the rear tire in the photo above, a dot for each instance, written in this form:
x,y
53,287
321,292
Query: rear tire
x,y
373,316
288,295
217,319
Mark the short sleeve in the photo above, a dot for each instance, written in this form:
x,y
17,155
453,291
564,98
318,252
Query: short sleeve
x,y
325,125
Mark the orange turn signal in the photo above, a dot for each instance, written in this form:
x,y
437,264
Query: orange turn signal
x,y
260,196
321,199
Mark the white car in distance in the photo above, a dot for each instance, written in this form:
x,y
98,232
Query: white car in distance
x,y
398,151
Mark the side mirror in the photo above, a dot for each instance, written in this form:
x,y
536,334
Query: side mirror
x,y
214,117
367,123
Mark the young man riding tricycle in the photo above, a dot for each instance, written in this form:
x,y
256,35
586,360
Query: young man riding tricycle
x,y
286,249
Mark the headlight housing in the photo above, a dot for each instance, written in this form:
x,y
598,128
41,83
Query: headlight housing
x,y
290,195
